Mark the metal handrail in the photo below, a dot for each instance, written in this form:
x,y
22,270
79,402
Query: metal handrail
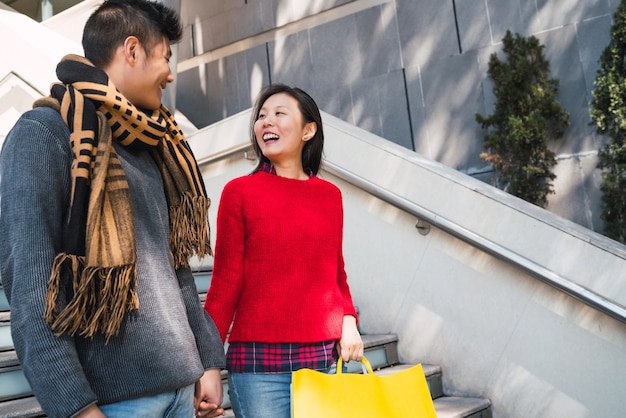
x,y
224,154
547,276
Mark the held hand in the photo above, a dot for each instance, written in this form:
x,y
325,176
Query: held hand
x,y
350,344
209,394
91,412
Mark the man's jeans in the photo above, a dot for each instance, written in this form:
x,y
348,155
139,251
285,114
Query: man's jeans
x,y
177,404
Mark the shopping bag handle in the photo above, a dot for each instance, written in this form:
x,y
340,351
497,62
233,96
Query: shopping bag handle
x,y
365,366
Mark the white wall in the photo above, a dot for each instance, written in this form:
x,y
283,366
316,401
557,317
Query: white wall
x,y
31,50
496,331
31,53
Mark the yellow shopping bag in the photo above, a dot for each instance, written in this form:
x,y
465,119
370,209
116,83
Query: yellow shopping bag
x,y
403,394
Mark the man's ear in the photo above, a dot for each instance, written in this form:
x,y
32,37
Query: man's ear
x,y
309,131
131,49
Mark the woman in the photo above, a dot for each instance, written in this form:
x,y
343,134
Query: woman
x,y
279,263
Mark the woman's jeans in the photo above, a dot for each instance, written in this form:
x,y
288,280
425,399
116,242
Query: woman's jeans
x,y
262,395
176,404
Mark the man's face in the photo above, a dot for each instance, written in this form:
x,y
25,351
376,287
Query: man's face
x,y
150,76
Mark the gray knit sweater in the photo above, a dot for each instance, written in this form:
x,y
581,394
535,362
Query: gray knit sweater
x,y
166,344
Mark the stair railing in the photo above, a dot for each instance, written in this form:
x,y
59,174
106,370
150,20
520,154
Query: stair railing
x,y
547,276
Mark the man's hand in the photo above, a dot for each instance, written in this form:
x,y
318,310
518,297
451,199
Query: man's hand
x,y
209,395
91,412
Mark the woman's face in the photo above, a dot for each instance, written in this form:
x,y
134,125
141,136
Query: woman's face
x,y
280,131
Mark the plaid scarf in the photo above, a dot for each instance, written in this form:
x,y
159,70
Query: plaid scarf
x,y
98,259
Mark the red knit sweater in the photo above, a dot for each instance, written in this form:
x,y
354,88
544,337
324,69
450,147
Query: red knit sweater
x,y
278,261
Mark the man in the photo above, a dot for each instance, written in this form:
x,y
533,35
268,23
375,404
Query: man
x,y
102,204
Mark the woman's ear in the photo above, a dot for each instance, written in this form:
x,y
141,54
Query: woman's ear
x,y
310,129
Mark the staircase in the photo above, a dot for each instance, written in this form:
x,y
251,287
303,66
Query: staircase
x,y
16,399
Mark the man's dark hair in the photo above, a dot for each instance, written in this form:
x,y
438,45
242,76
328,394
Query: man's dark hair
x,y
115,20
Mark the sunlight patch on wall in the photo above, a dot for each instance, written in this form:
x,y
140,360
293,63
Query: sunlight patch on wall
x,y
256,79
199,49
534,397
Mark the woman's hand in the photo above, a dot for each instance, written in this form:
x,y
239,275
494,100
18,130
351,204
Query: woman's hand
x,y
350,346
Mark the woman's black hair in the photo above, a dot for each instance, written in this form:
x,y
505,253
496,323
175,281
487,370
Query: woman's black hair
x,y
313,148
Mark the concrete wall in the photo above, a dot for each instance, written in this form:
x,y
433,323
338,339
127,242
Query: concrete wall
x,y
411,71
495,330
32,50
32,53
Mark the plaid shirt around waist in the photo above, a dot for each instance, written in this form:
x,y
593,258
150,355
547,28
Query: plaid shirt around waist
x,y
246,357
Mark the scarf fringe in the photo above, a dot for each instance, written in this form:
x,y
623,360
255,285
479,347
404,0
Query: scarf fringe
x,y
189,229
99,242
74,264
102,297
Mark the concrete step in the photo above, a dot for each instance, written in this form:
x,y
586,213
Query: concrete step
x,y
203,280
462,407
20,404
4,303
6,342
21,408
446,406
16,398
431,372
13,383
380,350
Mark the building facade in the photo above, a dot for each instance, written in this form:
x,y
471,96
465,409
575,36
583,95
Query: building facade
x,y
411,71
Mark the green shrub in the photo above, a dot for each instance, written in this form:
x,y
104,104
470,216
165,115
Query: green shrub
x,y
608,114
527,116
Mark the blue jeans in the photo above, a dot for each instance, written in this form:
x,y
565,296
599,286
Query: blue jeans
x,y
262,395
176,404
